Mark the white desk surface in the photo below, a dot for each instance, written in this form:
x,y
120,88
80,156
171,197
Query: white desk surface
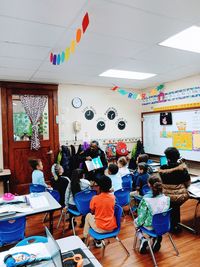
x,y
5,172
65,244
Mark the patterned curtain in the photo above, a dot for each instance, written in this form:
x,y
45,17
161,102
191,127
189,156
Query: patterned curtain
x,y
34,107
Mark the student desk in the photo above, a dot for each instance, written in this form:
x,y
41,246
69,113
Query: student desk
x,y
65,244
5,176
51,206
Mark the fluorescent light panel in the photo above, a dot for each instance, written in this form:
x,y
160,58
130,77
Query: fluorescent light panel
x,y
123,74
188,40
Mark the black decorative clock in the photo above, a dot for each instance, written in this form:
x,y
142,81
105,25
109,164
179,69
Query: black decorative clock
x,y
101,125
111,115
89,114
121,125
76,102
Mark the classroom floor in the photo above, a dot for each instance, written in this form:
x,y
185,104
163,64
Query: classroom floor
x,y
187,243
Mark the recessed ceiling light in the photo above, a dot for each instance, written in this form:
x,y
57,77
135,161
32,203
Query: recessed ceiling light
x,y
188,40
123,74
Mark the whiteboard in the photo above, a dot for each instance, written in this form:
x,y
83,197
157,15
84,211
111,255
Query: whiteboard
x,y
184,133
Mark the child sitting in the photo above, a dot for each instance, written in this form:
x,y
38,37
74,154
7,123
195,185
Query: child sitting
x,y
142,177
101,218
123,166
59,182
37,174
150,205
114,176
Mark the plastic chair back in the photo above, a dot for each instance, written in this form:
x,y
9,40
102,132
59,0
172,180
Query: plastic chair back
x,y
82,200
122,197
37,188
12,230
55,194
161,222
118,215
31,240
145,189
127,182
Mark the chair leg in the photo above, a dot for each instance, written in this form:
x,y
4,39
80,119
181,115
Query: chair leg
x,y
103,249
117,238
45,217
135,241
59,221
152,254
173,244
73,228
131,212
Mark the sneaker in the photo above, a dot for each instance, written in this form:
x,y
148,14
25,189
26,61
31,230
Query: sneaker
x,y
156,244
143,246
98,243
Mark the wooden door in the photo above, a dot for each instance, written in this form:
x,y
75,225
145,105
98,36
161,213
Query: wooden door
x,y
17,130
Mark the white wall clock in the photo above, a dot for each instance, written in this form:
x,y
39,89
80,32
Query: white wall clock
x,y
76,102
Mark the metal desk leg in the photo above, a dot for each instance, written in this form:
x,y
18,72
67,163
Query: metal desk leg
x,y
51,222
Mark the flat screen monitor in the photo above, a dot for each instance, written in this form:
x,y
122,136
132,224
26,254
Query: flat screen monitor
x,y
163,160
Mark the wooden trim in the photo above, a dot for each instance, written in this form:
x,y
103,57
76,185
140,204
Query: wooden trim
x,y
5,139
27,86
55,124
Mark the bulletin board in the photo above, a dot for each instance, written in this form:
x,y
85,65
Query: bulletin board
x,y
184,133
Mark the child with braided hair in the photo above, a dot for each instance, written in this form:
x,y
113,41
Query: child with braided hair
x,y
151,204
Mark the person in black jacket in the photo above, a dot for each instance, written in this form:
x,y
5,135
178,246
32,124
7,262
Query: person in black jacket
x,y
92,152
176,179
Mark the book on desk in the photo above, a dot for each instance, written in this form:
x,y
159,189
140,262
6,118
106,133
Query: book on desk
x,y
194,188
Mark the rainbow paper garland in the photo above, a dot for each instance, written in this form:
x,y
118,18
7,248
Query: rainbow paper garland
x,y
57,59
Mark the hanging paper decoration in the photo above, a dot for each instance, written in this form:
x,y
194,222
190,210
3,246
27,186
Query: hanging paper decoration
x,y
143,96
172,95
57,59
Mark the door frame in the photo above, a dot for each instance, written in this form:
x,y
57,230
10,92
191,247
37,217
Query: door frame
x,y
6,88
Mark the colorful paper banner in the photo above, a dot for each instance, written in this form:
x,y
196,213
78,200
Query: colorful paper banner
x,y
57,59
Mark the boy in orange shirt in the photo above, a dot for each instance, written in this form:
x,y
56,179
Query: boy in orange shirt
x,y
101,218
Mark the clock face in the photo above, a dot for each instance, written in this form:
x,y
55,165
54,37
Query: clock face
x,y
101,125
121,125
89,114
111,115
76,102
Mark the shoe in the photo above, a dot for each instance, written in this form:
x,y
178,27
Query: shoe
x,y
98,243
143,246
156,244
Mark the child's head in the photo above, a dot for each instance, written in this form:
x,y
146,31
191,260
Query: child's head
x,y
56,170
77,174
36,164
122,162
112,168
155,184
105,183
172,154
142,158
142,167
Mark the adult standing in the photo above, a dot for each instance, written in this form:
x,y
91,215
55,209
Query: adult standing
x,y
176,179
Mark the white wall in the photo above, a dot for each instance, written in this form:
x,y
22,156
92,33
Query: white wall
x,y
173,86
100,99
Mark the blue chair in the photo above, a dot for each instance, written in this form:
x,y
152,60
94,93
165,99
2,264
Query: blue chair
x,y
12,230
127,182
145,189
113,234
123,198
56,195
82,201
31,240
161,226
36,188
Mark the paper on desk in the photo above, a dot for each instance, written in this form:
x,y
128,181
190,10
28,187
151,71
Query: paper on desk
x,y
16,208
195,179
195,189
38,249
16,199
38,202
